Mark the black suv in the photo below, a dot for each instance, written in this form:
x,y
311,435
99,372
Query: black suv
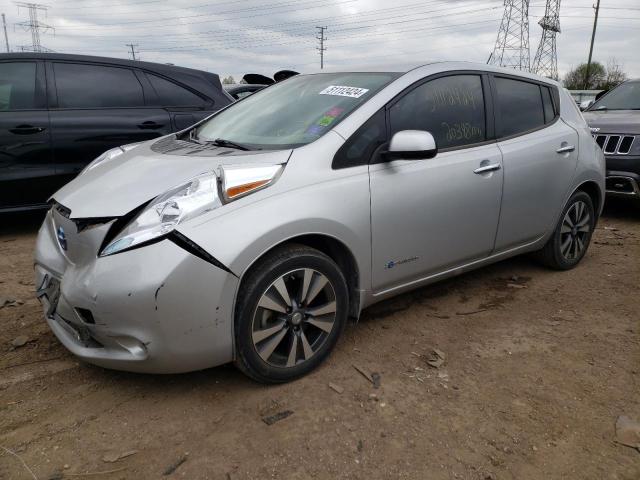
x,y
58,112
615,124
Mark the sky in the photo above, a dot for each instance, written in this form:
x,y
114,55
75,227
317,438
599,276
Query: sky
x,y
233,37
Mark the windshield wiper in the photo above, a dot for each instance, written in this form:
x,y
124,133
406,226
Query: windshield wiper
x,y
221,142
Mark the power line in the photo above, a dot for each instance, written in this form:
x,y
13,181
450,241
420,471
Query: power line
x,y
322,38
307,4
342,33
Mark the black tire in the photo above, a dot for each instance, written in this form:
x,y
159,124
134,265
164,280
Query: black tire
x,y
259,280
552,254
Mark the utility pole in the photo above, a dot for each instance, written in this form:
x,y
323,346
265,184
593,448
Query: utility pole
x,y
34,25
593,37
321,36
132,46
6,37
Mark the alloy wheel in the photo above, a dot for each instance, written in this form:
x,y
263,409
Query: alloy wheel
x,y
575,230
294,317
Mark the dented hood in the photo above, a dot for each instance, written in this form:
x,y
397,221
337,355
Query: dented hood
x,y
120,185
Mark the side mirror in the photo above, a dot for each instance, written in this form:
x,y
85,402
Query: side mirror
x,y
411,145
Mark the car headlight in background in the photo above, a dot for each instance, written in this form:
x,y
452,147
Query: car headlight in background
x,y
189,200
110,155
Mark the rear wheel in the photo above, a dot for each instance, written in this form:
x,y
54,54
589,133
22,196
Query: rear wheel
x,y
290,312
570,240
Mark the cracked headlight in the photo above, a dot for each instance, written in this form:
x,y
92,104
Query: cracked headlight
x,y
165,212
109,155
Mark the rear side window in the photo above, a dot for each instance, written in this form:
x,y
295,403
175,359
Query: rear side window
x,y
17,86
95,86
451,108
519,106
172,95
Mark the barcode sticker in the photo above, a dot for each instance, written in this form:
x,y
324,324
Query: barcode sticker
x,y
342,91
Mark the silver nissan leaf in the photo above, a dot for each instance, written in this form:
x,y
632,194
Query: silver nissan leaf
x,y
256,234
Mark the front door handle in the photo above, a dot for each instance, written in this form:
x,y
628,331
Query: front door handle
x,y
487,168
567,149
26,130
150,125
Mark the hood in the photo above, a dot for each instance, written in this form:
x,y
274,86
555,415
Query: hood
x,y
118,186
614,121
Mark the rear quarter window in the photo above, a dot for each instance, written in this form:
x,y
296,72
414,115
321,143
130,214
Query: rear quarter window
x,y
173,95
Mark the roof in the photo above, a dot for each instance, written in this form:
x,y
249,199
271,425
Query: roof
x,y
440,66
105,60
204,82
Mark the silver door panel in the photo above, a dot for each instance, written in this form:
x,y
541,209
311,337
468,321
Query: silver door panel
x,y
430,215
536,180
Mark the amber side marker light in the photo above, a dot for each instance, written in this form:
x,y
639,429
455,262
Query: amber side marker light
x,y
233,192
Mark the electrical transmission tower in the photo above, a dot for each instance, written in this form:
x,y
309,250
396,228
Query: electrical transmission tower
x,y
512,45
545,62
322,38
34,25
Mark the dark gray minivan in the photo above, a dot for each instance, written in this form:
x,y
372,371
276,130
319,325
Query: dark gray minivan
x,y
58,112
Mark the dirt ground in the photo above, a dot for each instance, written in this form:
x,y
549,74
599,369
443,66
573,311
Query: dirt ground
x,y
538,366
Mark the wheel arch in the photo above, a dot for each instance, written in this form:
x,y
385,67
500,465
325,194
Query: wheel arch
x,y
335,249
592,189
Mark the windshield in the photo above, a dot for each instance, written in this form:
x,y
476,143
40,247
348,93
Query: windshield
x,y
294,112
623,97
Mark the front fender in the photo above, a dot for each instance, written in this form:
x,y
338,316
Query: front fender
x,y
337,208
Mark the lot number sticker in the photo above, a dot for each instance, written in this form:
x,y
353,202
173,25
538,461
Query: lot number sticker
x,y
342,91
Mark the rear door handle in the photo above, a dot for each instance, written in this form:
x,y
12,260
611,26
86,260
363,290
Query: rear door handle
x,y
26,130
567,149
150,125
487,168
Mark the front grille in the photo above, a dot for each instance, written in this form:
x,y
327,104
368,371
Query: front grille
x,y
615,144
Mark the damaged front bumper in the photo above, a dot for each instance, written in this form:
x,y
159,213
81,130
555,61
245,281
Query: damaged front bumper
x,y
156,309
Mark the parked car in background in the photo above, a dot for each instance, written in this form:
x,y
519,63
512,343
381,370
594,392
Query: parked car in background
x,y
255,235
615,124
252,82
241,90
58,112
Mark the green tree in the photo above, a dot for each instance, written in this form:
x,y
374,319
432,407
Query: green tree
x,y
228,80
600,78
575,78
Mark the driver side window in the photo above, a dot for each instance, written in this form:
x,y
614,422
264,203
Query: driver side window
x,y
451,108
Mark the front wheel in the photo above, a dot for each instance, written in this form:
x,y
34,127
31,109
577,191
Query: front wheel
x,y
291,310
571,238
